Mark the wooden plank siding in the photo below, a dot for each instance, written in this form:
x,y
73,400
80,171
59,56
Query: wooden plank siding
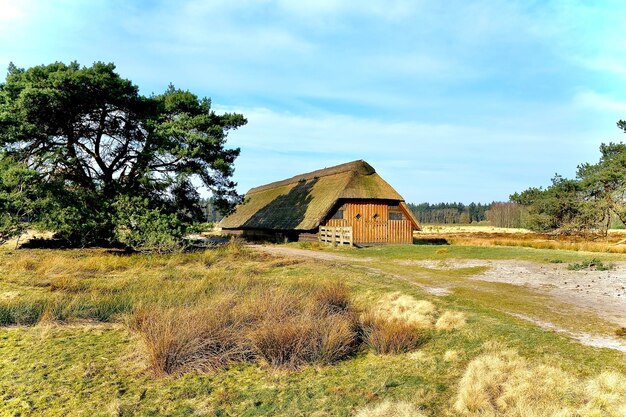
x,y
372,226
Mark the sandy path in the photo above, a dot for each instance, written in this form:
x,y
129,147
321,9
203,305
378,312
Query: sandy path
x,y
295,252
601,291
356,262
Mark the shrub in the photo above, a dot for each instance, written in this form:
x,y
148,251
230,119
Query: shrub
x,y
146,229
390,335
593,265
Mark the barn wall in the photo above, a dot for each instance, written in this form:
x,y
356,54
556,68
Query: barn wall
x,y
373,225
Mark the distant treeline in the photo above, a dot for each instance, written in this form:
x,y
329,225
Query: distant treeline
x,y
498,214
450,213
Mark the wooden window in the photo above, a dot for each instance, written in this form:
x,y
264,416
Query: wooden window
x,y
358,216
338,215
376,216
396,215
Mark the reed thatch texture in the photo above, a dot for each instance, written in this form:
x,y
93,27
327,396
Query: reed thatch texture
x,y
304,201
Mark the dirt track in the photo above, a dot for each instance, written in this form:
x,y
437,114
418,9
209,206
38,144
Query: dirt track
x,y
601,291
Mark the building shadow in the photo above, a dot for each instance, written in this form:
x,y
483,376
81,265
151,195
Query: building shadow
x,y
286,212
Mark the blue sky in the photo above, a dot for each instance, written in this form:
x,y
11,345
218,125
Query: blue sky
x,y
449,101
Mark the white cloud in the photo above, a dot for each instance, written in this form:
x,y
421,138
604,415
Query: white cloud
x,y
449,100
425,162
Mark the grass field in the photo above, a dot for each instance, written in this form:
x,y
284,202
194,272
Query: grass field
x,y
481,235
67,345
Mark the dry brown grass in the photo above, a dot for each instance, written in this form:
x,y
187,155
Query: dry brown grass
x,y
390,409
333,298
294,328
401,307
183,340
390,335
451,356
530,240
304,339
505,384
450,320
283,327
400,323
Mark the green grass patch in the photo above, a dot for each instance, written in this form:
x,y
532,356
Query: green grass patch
x,y
82,360
594,264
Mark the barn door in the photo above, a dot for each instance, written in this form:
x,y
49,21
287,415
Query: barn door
x,y
369,222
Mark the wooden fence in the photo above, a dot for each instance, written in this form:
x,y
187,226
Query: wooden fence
x,y
336,235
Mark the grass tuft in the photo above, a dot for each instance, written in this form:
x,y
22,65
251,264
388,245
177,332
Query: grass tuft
x,y
450,320
591,265
505,384
201,339
22,311
451,356
390,409
281,326
390,335
417,313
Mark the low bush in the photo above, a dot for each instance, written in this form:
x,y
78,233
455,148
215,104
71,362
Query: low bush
x,y
593,265
147,229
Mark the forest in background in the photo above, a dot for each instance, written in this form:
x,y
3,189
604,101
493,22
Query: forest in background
x,y
498,214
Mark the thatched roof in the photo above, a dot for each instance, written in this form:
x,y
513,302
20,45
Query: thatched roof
x,y
304,201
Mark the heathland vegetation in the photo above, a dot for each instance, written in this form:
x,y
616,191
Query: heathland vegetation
x,y
232,331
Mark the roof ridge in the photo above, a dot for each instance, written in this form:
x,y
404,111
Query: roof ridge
x,y
359,166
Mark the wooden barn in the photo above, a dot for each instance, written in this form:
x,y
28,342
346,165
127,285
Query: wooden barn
x,y
351,196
